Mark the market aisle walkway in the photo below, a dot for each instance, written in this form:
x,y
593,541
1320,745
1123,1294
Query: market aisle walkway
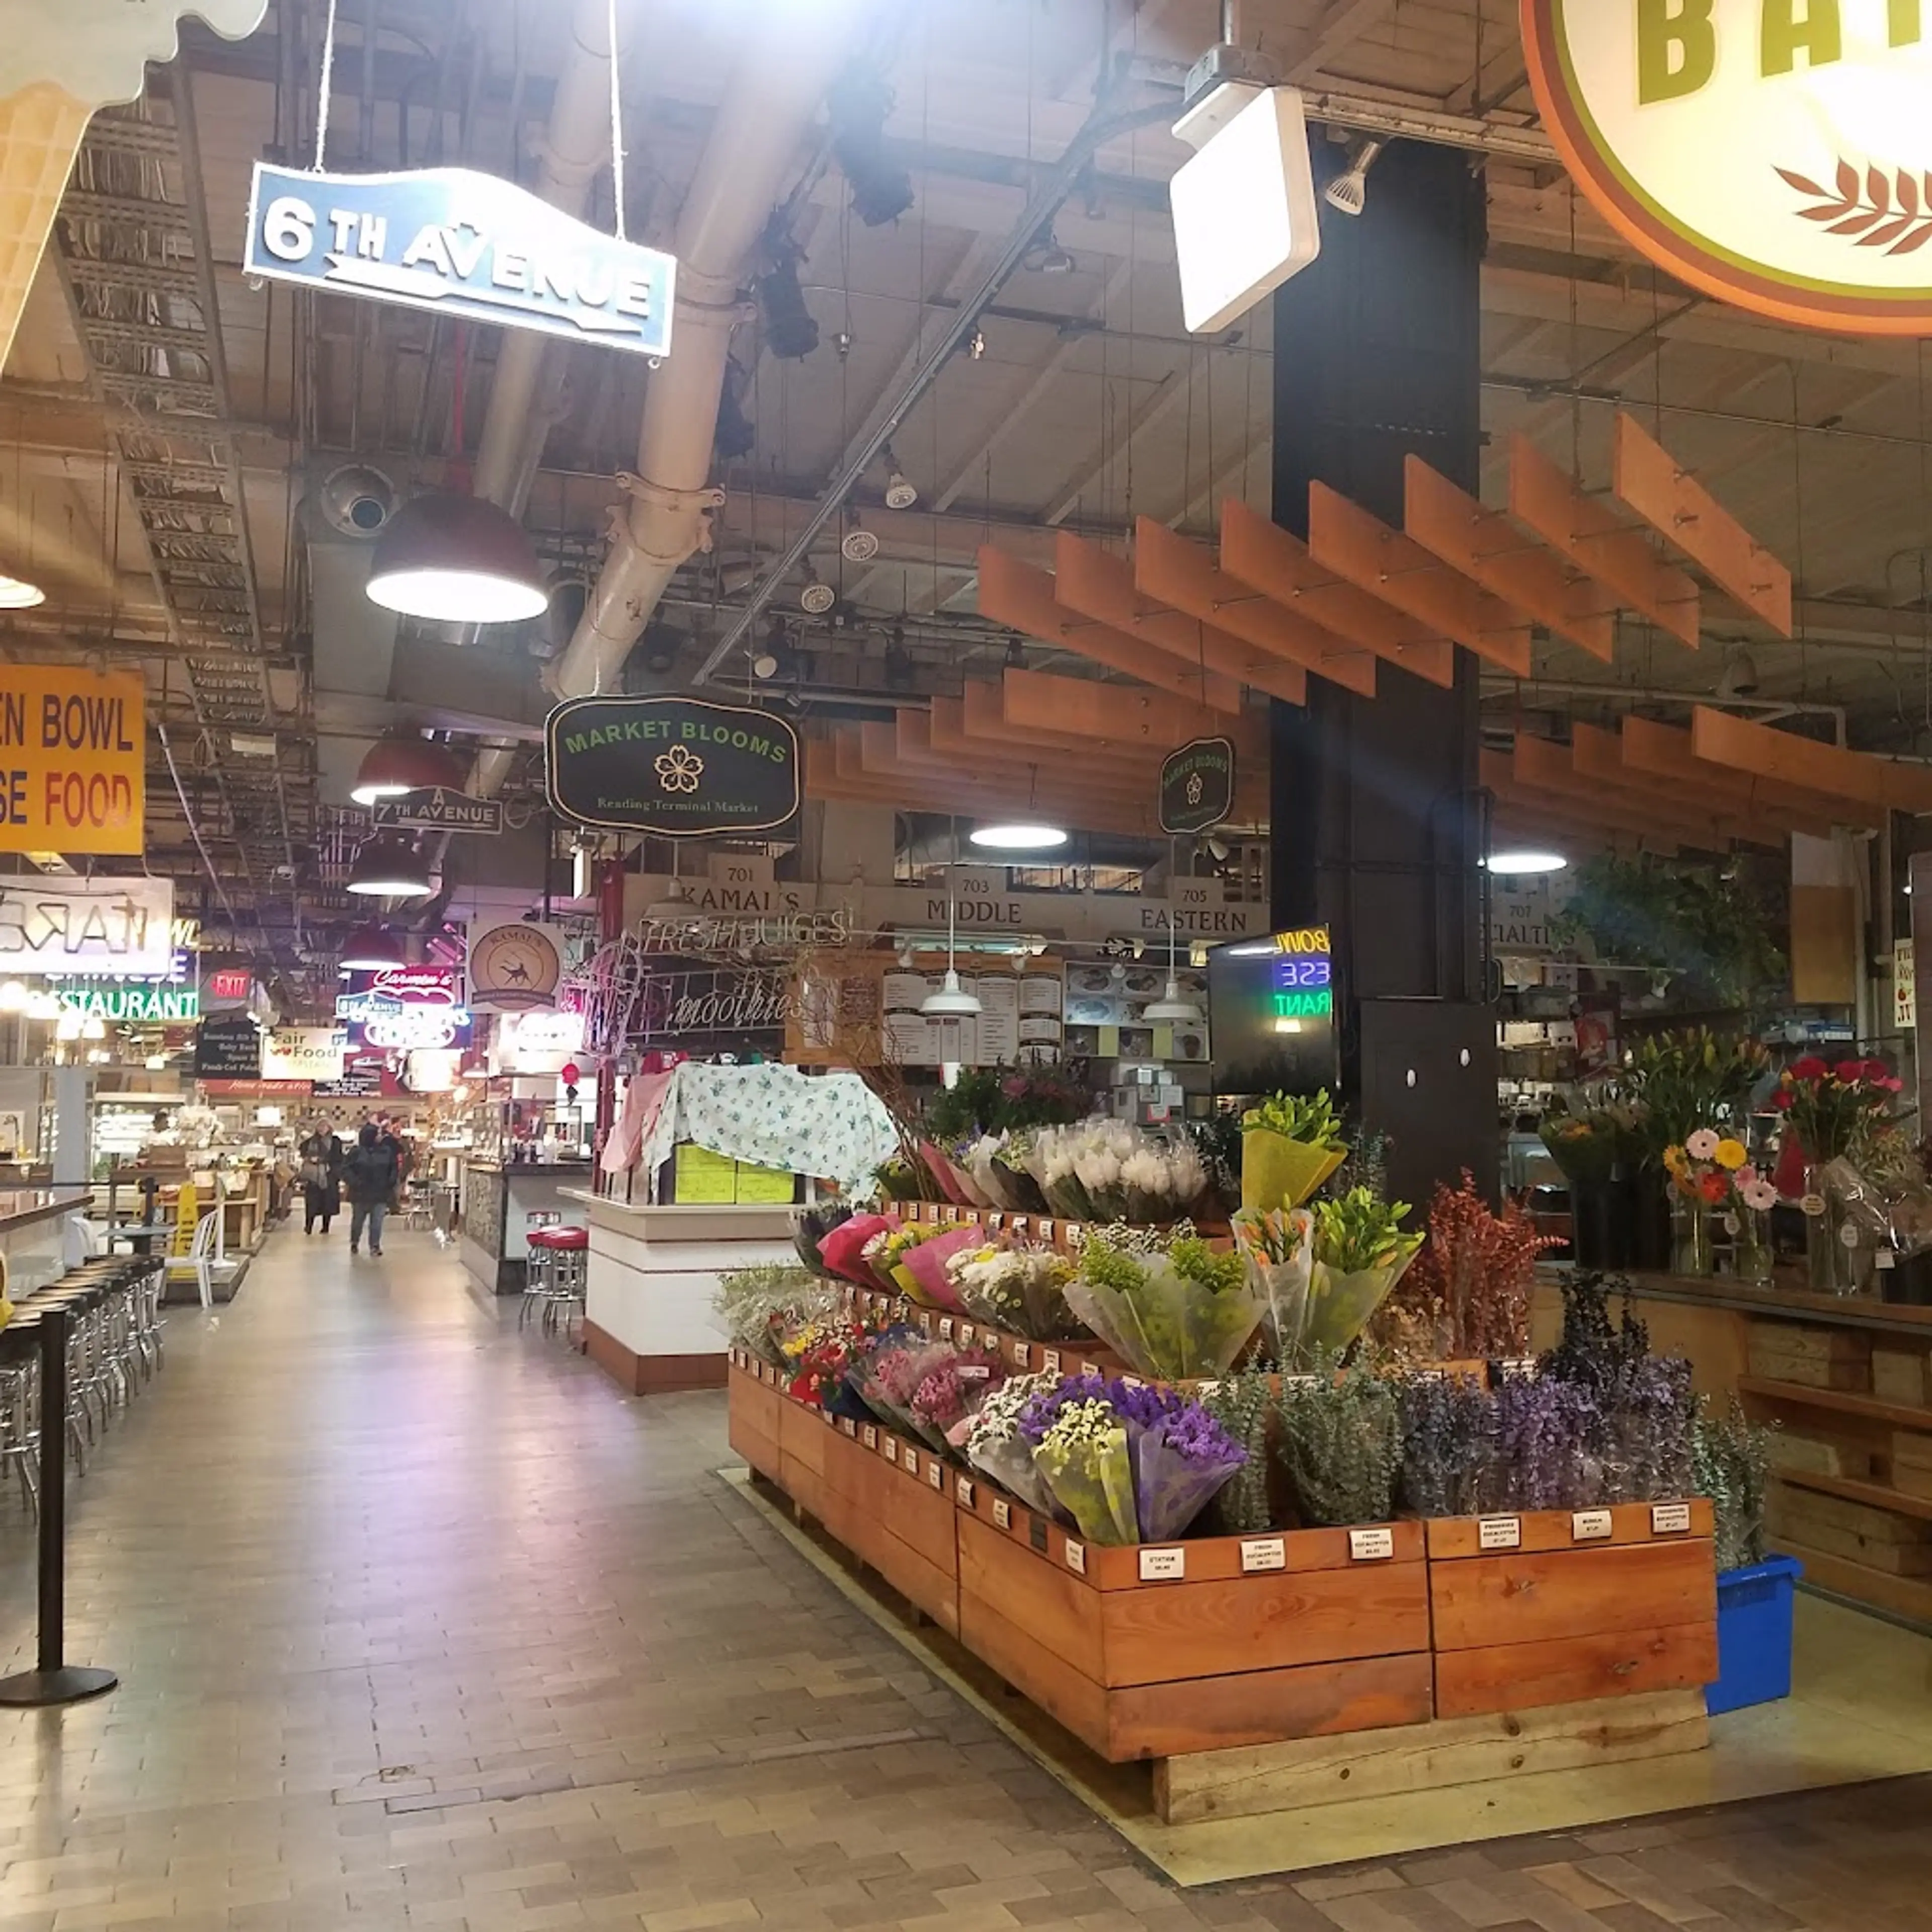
x,y
420,1623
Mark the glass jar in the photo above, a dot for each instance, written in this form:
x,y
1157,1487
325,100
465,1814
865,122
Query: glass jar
x,y
1830,1239
1750,1230
1690,1236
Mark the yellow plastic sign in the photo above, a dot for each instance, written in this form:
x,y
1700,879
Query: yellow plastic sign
x,y
72,760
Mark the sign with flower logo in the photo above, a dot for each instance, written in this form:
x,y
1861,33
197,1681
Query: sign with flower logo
x,y
1197,786
1776,153
679,767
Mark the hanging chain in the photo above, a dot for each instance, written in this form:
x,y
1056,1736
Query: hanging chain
x,y
328,71
617,125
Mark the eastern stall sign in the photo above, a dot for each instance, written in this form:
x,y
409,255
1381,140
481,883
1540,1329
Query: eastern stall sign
x,y
1197,786
462,245
679,767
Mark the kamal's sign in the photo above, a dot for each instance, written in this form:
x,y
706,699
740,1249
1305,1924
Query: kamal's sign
x,y
678,767
463,244
1777,154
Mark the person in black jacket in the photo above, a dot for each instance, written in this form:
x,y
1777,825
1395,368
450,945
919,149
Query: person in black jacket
x,y
371,1177
321,1176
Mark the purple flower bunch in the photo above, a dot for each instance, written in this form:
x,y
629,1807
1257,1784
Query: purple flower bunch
x,y
1544,1434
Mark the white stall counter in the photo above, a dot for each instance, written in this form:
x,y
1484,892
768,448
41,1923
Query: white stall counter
x,y
648,1321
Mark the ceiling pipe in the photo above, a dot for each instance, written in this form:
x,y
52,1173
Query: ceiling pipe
x,y
754,141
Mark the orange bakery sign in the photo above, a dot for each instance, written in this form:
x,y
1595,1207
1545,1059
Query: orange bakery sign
x,y
1776,153
72,760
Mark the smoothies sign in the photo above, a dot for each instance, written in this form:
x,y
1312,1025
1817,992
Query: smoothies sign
x,y
72,760
1777,154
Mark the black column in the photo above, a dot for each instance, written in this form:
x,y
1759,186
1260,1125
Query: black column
x,y
1377,823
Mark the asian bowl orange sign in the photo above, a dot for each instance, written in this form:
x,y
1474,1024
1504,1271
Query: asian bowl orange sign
x,y
72,760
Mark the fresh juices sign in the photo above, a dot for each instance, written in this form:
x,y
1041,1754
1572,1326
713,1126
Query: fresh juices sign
x,y
1777,154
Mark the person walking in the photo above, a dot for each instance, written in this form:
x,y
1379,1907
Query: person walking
x,y
321,1176
370,1177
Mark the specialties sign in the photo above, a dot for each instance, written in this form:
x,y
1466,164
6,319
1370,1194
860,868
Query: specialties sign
x,y
72,760
1776,153
679,767
466,245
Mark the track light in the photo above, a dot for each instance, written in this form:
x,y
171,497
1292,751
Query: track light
x,y
858,106
457,559
975,345
817,597
1016,655
1740,678
1348,193
791,333
1047,257
900,492
858,545
764,667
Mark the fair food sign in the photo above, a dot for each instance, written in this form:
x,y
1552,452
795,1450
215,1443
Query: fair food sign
x,y
466,245
1776,153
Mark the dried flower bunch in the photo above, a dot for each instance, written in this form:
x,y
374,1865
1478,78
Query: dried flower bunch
x,y
1470,1288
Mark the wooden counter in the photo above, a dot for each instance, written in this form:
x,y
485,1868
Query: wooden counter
x,y
1848,1382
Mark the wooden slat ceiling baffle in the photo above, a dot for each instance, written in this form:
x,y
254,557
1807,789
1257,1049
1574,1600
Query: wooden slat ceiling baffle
x,y
1541,765
1856,776
1015,594
1525,826
1266,558
1613,555
1651,752
1647,479
1597,757
1361,547
1092,583
1485,546
1085,708
919,742
1557,812
1188,576
979,714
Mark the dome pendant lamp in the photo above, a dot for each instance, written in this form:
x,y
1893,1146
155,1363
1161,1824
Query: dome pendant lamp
x,y
458,559
387,867
371,948
952,1001
405,763
1172,1009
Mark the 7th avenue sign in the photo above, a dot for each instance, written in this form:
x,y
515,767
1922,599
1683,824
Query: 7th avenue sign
x,y
439,809
463,244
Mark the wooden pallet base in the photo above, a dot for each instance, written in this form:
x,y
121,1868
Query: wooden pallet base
x,y
1446,1751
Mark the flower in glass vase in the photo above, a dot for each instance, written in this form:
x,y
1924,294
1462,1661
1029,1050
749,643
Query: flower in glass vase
x,y
1834,1109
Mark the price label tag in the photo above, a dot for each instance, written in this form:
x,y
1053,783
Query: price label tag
x,y
1076,1557
1500,1532
946,1328
935,1475
1076,1237
1046,1231
1049,1360
1163,1566
1132,1382
1037,1533
1371,1546
891,1449
909,1463
994,1221
1669,1518
1019,1224
965,1336
826,1416
962,1489
869,1436
1590,1525
1202,1391
974,1372
1021,1354
1003,1514
1263,1553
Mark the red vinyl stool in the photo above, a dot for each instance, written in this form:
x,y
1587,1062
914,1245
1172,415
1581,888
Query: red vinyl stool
x,y
558,1270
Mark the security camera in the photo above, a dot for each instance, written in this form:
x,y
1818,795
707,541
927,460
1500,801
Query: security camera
x,y
357,500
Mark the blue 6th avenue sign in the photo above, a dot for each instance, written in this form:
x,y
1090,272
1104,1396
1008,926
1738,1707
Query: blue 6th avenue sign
x,y
462,245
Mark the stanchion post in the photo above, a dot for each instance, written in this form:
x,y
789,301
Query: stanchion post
x,y
55,1680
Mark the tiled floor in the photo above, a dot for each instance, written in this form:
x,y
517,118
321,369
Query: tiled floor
x,y
420,1622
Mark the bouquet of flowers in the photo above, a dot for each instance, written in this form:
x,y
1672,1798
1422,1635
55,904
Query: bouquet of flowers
x,y
995,1447
888,1252
1078,1169
1587,1143
810,1230
842,1250
925,1265
967,1185
889,1374
1020,1287
1080,1446
944,1405
1291,1144
1006,1161
943,1179
757,1306
1360,1252
1171,1307
1832,1109
818,1353
1278,1246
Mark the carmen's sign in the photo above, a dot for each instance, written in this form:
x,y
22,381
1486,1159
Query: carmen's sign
x,y
678,767
463,244
1773,153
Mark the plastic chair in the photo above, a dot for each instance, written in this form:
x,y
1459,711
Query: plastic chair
x,y
201,1256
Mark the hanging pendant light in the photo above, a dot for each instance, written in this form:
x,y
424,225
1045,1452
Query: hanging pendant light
x,y
952,1001
459,560
677,908
19,593
387,867
371,948
404,763
1172,1008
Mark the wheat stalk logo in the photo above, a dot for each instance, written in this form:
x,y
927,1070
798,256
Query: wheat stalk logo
x,y
1877,210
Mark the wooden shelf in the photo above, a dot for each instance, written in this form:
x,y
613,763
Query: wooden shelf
x,y
1875,1495
1900,1415
1908,1597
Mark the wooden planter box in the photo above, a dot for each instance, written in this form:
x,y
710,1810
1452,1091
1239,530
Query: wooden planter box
x,y
1154,1651
754,1408
1555,1608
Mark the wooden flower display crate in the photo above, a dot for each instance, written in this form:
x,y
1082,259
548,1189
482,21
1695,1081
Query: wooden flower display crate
x,y
757,1404
1559,1607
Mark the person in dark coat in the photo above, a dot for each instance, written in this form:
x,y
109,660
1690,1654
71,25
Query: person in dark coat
x,y
321,1177
371,1177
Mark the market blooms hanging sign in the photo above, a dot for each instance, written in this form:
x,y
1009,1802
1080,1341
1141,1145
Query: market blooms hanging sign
x,y
463,244
1777,154
677,766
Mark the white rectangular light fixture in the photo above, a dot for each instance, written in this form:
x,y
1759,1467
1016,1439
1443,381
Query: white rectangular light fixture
x,y
1245,216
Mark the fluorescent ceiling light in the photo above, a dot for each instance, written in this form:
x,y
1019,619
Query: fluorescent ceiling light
x,y
1017,838
1518,863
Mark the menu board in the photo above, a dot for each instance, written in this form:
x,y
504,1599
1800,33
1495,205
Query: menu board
x,y
868,1009
228,1047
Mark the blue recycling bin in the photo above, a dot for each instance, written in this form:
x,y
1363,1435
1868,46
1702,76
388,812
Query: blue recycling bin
x,y
1754,1618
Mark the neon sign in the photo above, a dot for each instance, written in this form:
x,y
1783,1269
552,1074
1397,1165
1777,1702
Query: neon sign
x,y
1301,979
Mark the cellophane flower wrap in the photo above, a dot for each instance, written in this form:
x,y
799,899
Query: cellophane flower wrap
x,y
889,1376
926,1265
1291,1144
1080,1446
841,1249
935,1163
757,1307
944,1405
995,1447
1018,1286
1012,1166
1174,1310
886,1253
1361,1253
958,1158
809,1231
1278,1246
818,1353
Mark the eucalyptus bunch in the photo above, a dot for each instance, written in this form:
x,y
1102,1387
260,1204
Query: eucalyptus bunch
x,y
1340,1443
1731,1460
1245,1405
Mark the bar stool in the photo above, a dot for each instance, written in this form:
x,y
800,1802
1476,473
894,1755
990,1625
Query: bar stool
x,y
558,1268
